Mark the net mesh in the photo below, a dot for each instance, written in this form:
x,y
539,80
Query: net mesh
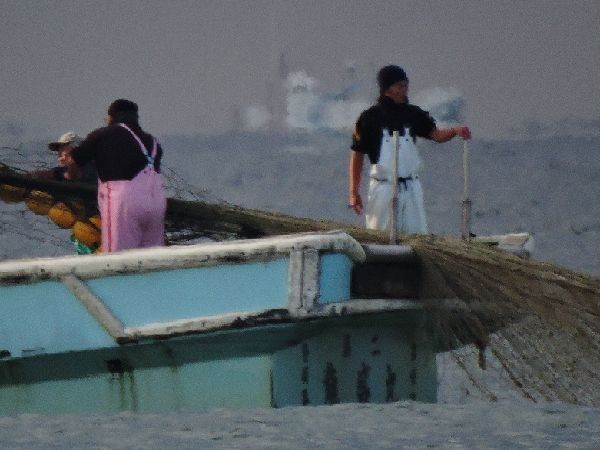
x,y
539,321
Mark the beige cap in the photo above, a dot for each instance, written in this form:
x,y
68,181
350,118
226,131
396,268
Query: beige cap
x,y
68,138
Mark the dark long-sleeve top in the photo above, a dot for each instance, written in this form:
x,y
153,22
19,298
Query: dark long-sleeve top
x,y
393,116
88,173
115,152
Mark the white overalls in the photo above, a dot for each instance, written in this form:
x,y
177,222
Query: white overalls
x,y
411,210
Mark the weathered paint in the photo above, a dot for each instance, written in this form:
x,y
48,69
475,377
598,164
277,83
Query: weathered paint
x,y
368,361
61,323
177,257
284,365
253,323
236,383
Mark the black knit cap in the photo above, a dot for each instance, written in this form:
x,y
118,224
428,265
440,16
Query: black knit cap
x,y
389,75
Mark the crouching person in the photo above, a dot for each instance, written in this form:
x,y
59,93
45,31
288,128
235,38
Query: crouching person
x,y
66,170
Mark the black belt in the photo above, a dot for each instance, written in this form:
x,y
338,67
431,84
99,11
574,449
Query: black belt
x,y
401,180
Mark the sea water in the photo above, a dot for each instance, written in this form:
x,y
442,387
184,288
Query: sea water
x,y
465,417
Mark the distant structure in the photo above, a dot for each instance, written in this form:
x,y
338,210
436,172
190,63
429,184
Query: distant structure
x,y
271,102
281,106
350,73
236,119
283,67
276,96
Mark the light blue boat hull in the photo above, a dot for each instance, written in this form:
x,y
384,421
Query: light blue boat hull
x,y
332,361
248,324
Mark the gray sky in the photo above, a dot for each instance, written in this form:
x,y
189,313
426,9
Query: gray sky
x,y
190,63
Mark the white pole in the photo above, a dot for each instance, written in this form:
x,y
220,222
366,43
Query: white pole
x,y
466,203
394,182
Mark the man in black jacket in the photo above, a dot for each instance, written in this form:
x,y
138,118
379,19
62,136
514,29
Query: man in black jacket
x,y
373,137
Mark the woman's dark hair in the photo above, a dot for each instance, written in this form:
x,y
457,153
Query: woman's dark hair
x,y
125,111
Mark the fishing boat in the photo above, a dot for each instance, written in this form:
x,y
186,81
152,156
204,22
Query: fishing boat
x,y
288,320
295,318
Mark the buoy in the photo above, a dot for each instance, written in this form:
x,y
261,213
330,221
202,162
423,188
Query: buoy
x,y
96,221
12,194
39,202
62,215
87,233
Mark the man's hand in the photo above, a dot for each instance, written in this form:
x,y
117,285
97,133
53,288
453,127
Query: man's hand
x,y
356,203
440,135
463,132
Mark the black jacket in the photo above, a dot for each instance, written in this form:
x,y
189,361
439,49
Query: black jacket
x,y
115,152
393,116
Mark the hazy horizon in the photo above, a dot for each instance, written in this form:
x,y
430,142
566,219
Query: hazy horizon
x,y
522,68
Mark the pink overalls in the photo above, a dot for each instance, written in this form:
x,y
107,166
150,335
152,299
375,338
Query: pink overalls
x,y
133,211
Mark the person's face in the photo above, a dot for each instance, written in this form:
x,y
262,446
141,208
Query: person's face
x,y
64,155
398,92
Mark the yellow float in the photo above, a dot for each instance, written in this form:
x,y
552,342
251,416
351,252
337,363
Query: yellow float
x,y
12,194
39,202
87,233
96,221
62,215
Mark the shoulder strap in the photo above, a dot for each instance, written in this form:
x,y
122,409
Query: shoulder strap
x,y
149,156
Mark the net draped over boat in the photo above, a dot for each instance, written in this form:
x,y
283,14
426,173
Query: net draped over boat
x,y
539,323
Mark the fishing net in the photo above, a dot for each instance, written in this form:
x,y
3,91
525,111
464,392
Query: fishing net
x,y
24,219
531,323
539,322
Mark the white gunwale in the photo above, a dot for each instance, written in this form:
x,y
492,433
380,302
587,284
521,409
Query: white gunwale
x,y
177,257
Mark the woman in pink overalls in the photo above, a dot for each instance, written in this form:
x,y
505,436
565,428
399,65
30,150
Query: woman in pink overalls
x,y
131,198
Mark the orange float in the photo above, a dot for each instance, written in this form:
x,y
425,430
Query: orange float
x,y
39,202
12,194
95,220
62,215
87,233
